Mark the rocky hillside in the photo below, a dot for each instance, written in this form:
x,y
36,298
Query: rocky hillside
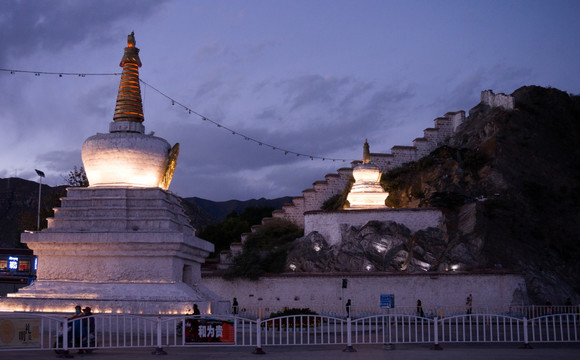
x,y
508,183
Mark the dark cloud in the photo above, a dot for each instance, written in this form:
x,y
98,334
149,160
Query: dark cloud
x,y
60,161
29,26
312,90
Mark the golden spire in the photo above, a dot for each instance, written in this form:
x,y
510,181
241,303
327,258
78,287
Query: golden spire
x,y
366,153
129,105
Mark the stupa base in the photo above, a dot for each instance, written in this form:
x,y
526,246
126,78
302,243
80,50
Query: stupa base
x,y
127,298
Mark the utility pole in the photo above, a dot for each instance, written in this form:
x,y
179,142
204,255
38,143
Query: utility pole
x,y
40,176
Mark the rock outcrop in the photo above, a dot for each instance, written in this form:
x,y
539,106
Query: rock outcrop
x,y
376,246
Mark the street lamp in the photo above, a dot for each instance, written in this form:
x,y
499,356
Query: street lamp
x,y
40,176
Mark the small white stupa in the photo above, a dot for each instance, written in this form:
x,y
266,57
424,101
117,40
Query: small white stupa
x,y
124,243
367,192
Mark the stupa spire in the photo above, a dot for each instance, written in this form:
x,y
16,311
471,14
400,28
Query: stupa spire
x,y
129,104
366,153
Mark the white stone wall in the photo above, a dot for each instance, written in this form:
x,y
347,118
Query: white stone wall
x,y
383,161
423,147
432,136
457,118
314,198
317,291
497,100
330,224
445,127
403,154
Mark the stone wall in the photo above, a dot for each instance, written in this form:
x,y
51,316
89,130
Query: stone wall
x,y
331,224
497,100
317,291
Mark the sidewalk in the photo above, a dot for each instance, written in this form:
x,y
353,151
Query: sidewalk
x,y
559,351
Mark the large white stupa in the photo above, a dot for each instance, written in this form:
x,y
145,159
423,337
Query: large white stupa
x,y
124,243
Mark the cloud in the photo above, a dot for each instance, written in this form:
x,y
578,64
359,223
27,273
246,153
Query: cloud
x,y
29,26
312,90
464,93
60,161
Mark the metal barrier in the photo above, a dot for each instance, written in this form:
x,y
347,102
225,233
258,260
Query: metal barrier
x,y
440,311
112,331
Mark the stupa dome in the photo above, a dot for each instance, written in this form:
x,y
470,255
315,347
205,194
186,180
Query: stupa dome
x,y
126,156
369,173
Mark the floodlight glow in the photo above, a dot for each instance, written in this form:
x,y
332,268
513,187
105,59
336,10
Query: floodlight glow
x,y
380,248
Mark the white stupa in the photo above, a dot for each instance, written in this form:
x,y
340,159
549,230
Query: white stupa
x,y
124,243
367,192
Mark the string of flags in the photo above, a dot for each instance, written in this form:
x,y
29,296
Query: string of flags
x,y
188,109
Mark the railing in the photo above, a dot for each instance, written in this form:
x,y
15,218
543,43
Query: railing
x,y
113,331
440,311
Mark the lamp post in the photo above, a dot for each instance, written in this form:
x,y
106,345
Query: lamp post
x,y
40,176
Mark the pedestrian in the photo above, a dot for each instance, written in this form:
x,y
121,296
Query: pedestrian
x,y
420,309
348,305
91,321
469,304
568,306
78,312
235,307
548,307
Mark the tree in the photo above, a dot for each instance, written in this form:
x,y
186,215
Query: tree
x,y
223,234
77,177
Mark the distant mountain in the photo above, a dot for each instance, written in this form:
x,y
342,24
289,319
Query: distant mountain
x,y
19,208
220,209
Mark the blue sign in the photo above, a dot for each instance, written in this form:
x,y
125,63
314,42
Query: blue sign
x,y
387,301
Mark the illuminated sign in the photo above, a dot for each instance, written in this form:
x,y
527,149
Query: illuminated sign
x,y
12,263
35,264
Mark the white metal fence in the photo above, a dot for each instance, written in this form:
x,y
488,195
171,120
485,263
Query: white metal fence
x,y
112,331
440,311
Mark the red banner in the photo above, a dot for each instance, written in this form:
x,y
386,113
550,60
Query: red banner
x,y
204,330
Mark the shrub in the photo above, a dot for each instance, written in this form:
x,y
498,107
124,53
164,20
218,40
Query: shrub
x,y
265,250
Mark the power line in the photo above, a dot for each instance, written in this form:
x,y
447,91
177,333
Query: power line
x,y
60,74
235,132
188,109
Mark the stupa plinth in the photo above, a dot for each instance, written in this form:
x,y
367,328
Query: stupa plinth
x,y
124,244
367,192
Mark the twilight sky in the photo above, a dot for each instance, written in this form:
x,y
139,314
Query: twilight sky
x,y
315,77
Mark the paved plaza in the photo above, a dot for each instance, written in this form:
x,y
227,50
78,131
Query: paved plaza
x,y
374,352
